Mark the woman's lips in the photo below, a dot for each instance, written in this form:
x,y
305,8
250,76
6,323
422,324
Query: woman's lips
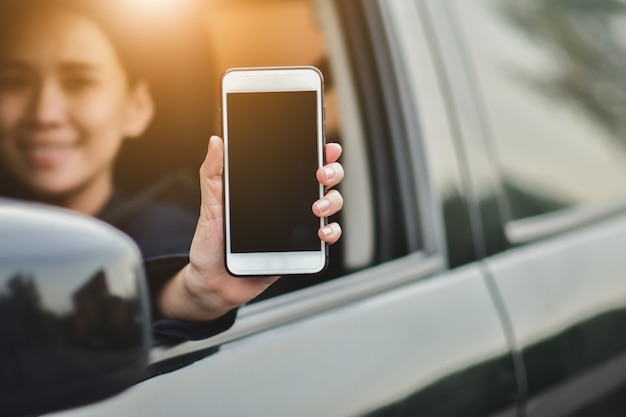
x,y
46,154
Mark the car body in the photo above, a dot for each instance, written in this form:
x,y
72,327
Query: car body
x,y
482,271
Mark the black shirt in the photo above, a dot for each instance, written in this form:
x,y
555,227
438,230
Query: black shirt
x,y
163,232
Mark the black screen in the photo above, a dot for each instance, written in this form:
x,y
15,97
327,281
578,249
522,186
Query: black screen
x,y
272,139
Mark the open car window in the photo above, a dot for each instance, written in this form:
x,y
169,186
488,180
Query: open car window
x,y
185,47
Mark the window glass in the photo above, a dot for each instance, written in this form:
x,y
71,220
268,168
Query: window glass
x,y
552,77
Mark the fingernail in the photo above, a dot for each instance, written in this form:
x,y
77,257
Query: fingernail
x,y
327,231
322,205
329,172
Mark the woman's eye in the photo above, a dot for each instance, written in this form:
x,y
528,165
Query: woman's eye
x,y
13,82
78,83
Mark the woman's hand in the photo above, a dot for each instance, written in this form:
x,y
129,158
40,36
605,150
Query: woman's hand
x,y
203,290
330,175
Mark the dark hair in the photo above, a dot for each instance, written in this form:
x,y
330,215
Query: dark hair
x,y
174,60
127,40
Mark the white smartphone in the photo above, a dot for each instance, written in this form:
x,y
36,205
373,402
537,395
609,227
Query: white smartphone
x,y
274,136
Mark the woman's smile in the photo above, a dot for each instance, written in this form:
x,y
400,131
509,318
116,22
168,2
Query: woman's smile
x,y
47,152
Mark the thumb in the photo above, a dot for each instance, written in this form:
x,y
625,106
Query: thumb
x,y
211,172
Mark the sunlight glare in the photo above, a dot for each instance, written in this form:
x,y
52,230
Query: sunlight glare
x,y
156,7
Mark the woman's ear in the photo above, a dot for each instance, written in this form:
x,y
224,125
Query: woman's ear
x,y
139,111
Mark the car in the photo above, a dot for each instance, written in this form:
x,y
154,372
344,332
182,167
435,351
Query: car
x,y
482,270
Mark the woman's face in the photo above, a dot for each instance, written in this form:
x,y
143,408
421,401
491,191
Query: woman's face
x,y
65,105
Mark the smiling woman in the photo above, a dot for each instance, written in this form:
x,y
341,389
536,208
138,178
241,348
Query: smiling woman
x,y
77,81
180,87
66,105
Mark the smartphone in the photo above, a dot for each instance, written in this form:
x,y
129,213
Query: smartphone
x,y
274,136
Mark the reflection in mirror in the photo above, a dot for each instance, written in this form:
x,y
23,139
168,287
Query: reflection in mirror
x,y
74,318
98,320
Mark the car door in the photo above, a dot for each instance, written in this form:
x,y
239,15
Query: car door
x,y
544,83
397,332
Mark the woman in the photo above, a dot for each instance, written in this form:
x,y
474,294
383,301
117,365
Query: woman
x,y
68,101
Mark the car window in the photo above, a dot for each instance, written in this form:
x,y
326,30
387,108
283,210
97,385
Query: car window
x,y
554,99
250,33
181,49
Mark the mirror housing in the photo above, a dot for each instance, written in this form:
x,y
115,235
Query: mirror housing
x,y
74,313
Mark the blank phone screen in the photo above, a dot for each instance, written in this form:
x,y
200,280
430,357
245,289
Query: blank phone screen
x,y
272,152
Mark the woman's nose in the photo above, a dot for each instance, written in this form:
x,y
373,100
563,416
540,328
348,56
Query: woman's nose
x,y
48,104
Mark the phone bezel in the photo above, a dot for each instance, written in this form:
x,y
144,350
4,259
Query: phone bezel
x,y
271,79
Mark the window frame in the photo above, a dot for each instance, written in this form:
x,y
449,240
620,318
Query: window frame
x,y
378,96
559,221
397,265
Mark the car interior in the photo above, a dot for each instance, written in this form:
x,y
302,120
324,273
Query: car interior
x,y
246,33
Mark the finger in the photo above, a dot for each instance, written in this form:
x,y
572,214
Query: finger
x,y
211,176
330,174
333,152
330,233
328,205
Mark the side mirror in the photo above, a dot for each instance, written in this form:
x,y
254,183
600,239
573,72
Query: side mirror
x,y
74,314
